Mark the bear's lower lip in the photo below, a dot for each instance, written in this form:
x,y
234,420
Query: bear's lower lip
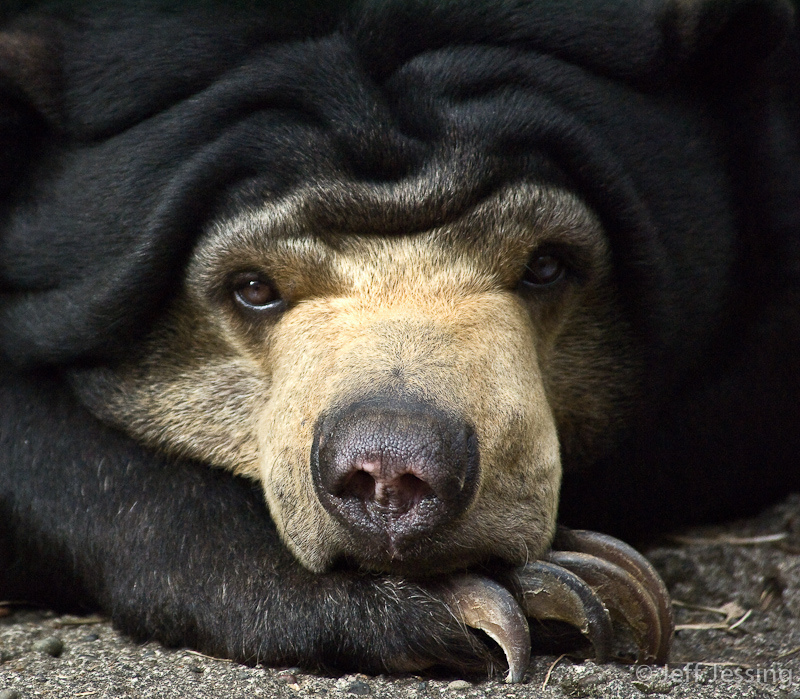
x,y
415,559
412,568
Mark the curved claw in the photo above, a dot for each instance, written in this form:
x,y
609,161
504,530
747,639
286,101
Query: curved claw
x,y
631,561
552,592
486,605
626,599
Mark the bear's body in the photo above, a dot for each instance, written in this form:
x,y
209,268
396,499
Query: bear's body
x,y
400,264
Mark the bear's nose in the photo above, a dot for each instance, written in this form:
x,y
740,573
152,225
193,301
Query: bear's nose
x,y
392,470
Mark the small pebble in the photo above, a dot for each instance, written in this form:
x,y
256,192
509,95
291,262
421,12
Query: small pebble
x,y
289,678
458,685
89,637
584,685
10,694
653,687
360,688
344,682
51,646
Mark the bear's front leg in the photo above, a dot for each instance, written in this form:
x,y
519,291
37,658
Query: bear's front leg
x,y
188,555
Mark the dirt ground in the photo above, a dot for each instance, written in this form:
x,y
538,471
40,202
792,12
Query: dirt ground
x,y
736,590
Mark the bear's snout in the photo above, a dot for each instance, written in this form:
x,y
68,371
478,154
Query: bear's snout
x,y
392,470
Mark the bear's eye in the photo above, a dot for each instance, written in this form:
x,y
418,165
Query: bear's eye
x,y
543,270
255,293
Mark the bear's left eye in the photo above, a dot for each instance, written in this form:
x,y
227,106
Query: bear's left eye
x,y
254,292
543,270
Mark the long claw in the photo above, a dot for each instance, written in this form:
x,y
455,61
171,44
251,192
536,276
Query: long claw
x,y
552,592
486,605
624,596
630,560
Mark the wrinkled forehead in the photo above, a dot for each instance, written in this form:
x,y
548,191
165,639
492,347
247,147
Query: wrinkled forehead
x,y
355,221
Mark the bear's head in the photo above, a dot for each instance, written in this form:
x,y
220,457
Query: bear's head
x,y
402,399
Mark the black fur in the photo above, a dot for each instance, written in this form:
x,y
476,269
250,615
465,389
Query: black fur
x,y
122,131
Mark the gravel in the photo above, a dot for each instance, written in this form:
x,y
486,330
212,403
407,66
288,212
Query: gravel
x,y
737,601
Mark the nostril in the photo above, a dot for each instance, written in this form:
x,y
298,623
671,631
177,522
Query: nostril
x,y
358,484
406,492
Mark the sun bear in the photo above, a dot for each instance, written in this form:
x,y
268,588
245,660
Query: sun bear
x,y
316,321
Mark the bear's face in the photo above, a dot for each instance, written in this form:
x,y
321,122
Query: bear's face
x,y
405,400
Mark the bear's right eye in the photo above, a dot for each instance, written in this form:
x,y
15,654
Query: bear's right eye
x,y
253,292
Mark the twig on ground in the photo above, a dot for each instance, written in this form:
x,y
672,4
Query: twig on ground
x,y
730,540
551,668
